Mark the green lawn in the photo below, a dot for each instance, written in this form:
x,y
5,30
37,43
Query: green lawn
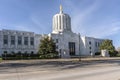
x,y
0,59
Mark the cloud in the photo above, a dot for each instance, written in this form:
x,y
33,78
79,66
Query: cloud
x,y
104,28
3,26
79,15
22,28
107,29
39,24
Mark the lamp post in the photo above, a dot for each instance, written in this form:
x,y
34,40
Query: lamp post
x,y
5,56
79,48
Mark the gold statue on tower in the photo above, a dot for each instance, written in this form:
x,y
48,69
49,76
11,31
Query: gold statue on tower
x,y
61,9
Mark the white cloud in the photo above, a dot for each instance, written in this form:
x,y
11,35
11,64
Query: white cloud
x,y
79,17
107,29
36,20
102,29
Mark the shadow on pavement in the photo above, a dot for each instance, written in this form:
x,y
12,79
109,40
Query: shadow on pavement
x,y
21,66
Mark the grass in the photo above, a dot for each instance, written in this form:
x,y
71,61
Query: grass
x,y
0,59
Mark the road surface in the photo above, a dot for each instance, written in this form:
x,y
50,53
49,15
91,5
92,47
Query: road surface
x,y
95,70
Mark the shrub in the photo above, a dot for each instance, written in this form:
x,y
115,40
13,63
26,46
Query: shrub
x,y
17,56
113,54
118,55
97,53
0,59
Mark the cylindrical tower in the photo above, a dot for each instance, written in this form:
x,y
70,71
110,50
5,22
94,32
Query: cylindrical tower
x,y
61,22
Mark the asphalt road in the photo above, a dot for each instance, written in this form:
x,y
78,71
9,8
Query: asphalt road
x,y
60,70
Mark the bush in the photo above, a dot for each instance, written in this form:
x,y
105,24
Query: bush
x,y
48,56
17,56
0,59
118,55
113,54
97,53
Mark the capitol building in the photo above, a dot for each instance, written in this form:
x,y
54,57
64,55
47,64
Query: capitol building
x,y
67,42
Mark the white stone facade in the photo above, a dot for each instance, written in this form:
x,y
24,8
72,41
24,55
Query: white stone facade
x,y
67,43
61,22
16,42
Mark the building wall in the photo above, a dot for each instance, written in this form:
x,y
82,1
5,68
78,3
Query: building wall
x,y
0,42
62,43
19,48
90,45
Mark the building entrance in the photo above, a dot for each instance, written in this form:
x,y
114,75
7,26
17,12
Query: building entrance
x,y
71,48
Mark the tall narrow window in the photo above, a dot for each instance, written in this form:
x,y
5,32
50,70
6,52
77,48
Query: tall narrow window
x,y
56,40
96,44
90,48
19,40
57,22
60,21
66,23
25,40
89,42
12,40
5,39
31,40
56,46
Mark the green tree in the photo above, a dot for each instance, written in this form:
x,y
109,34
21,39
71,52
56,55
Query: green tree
x,y
107,44
47,48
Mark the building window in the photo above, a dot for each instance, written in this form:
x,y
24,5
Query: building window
x,y
96,44
19,52
66,22
25,40
5,39
60,50
26,52
90,52
31,40
89,42
12,52
57,21
5,52
32,52
60,21
90,47
56,40
56,46
12,40
19,40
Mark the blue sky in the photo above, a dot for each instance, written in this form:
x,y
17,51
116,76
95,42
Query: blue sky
x,y
94,18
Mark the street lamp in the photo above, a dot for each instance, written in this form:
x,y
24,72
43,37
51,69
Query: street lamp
x,y
5,55
79,48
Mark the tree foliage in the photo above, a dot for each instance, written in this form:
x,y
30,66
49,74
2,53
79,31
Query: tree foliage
x,y
47,48
107,44
118,49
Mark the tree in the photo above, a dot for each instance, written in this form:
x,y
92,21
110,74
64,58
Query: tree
x,y
107,44
47,48
118,49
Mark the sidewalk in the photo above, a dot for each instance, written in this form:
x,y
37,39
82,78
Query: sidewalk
x,y
65,60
